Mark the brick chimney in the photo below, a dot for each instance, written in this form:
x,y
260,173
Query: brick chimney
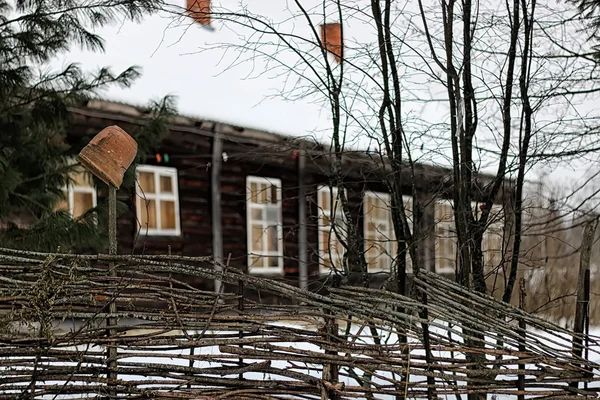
x,y
200,11
332,41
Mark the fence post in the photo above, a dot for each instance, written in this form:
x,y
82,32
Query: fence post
x,y
426,343
108,155
522,333
330,372
215,190
112,307
583,292
241,332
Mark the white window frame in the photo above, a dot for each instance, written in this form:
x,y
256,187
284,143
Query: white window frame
x,y
391,246
491,228
336,259
141,198
71,189
450,225
265,269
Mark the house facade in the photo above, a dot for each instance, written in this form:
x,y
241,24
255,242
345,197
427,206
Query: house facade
x,y
276,212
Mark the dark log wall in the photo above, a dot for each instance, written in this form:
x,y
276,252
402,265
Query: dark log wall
x,y
190,151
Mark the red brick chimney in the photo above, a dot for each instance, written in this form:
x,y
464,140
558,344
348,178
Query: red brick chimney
x,y
200,11
332,41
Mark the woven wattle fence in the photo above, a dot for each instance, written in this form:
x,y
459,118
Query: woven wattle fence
x,y
174,340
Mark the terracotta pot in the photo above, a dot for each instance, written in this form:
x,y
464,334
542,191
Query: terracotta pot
x,y
109,154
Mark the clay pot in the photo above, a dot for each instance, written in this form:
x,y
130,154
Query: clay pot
x,y
109,154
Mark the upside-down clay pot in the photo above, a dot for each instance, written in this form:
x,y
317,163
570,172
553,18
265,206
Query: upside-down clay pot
x,y
109,154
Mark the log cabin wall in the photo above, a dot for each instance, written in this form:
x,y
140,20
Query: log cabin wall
x,y
251,153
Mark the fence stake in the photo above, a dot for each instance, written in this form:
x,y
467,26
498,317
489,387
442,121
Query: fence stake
x,y
522,327
108,155
583,295
215,190
330,372
586,288
241,309
112,307
426,343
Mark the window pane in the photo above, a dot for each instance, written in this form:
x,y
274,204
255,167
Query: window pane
x,y
148,213
167,214
384,263
166,184
256,214
274,261
378,212
272,238
324,199
272,214
253,192
274,196
371,228
256,261
263,194
337,247
324,245
257,245
82,178
384,232
146,181
81,203
372,263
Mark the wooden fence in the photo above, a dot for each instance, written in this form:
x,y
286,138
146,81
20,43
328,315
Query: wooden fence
x,y
173,340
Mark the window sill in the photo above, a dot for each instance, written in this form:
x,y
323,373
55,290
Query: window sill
x,y
161,233
265,272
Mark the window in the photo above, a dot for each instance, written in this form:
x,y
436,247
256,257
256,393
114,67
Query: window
x,y
493,237
445,237
380,238
332,229
80,194
157,200
265,233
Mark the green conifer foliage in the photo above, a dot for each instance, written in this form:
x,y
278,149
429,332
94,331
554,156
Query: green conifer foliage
x,y
35,160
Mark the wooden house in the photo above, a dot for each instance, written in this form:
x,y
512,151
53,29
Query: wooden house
x,y
276,205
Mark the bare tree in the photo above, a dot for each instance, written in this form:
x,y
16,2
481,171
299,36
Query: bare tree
x,y
489,90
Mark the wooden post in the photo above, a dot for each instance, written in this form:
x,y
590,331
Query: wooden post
x,y
330,374
241,332
108,155
427,344
583,293
522,333
302,235
586,288
215,189
112,307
